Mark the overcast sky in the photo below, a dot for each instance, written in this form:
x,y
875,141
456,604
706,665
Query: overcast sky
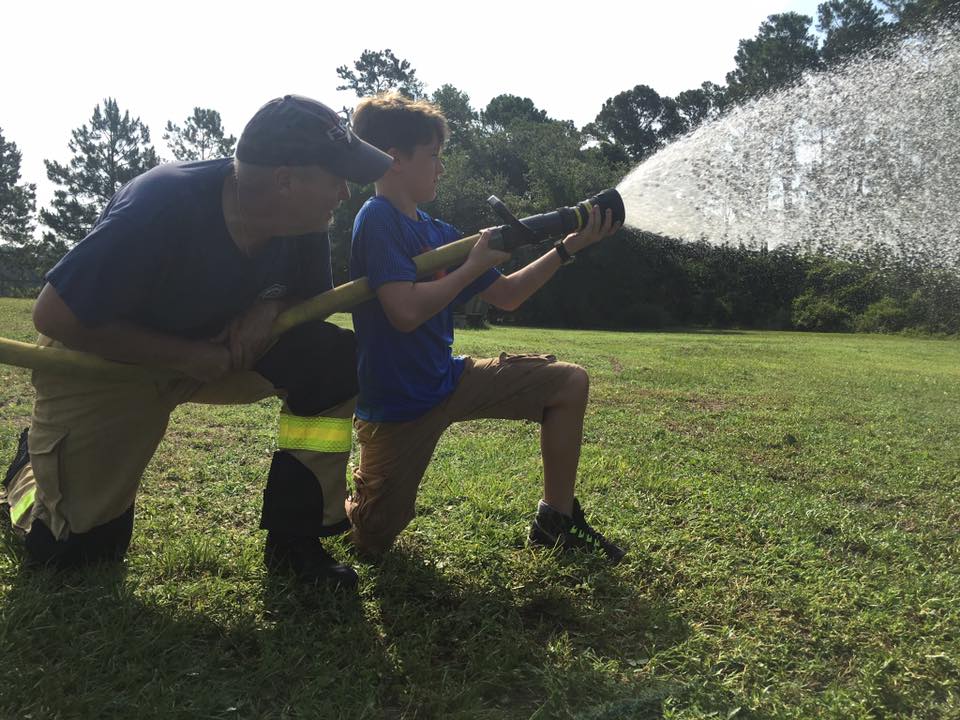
x,y
159,60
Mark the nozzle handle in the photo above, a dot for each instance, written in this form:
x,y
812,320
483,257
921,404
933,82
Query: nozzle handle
x,y
512,235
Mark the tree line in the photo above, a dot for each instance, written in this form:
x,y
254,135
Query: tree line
x,y
534,162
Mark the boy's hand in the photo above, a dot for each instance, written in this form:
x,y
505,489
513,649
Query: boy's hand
x,y
483,256
594,231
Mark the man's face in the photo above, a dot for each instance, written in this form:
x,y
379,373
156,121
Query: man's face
x,y
421,171
313,196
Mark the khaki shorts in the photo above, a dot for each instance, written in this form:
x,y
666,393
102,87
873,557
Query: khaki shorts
x,y
394,456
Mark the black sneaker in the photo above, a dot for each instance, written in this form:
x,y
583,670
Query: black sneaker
x,y
551,528
307,559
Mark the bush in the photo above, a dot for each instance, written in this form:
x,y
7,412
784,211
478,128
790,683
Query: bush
x,y
883,316
817,313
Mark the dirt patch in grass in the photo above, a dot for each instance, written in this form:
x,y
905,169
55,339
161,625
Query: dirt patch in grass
x,y
703,403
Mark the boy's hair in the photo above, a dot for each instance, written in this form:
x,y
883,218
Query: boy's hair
x,y
390,120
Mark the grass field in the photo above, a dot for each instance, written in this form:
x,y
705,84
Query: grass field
x,y
789,502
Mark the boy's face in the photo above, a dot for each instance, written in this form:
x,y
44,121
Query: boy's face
x,y
421,170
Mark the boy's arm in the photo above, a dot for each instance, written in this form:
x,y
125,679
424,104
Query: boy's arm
x,y
408,305
509,292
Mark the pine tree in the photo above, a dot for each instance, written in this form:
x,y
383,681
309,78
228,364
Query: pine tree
x,y
107,154
377,72
201,137
18,204
783,49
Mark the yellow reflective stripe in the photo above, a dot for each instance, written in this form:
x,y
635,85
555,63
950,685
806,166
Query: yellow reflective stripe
x,y
582,218
23,504
320,434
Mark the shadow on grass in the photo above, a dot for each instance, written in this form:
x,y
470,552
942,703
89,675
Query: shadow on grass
x,y
567,638
94,643
567,644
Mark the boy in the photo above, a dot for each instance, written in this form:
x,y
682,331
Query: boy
x,y
411,387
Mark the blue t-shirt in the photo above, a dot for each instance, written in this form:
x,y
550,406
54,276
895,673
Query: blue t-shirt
x,y
402,375
160,255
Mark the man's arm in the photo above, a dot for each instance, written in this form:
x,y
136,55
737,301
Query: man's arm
x,y
510,292
127,342
408,305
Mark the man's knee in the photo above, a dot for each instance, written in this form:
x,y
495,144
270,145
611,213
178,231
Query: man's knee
x,y
315,363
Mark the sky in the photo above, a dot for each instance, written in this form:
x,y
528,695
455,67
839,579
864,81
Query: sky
x,y
160,60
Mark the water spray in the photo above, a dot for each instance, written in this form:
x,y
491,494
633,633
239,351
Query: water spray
x,y
508,237
861,160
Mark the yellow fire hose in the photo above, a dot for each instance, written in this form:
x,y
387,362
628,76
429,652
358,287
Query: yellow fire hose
x,y
515,233
339,299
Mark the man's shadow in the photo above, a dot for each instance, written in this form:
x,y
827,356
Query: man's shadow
x,y
98,642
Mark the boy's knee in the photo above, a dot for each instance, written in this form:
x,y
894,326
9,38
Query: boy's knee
x,y
371,538
575,386
375,525
579,380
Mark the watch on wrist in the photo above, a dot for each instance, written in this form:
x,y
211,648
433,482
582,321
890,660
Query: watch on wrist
x,y
565,257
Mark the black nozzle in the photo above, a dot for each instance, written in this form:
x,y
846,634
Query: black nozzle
x,y
610,199
555,224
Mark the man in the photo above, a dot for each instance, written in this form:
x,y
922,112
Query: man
x,y
187,268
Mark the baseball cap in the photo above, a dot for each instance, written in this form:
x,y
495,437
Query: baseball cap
x,y
296,130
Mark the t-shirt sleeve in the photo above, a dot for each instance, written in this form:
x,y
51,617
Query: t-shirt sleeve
x,y
108,275
382,249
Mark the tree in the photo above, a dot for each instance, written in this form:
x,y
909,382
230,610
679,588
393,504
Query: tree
x,y
782,51
636,119
461,117
850,27
201,137
913,14
18,203
377,72
503,110
703,103
107,154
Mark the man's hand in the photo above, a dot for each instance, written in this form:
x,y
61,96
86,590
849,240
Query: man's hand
x,y
248,336
593,232
206,361
483,256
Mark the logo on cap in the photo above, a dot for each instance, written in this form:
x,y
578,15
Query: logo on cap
x,y
340,132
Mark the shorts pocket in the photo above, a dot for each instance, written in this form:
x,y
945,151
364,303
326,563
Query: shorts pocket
x,y
46,442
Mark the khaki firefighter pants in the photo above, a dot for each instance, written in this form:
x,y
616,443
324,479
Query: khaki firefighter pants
x,y
91,440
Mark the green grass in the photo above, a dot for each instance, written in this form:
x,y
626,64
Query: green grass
x,y
789,501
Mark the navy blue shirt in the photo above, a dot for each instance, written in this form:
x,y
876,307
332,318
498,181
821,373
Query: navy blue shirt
x,y
160,255
402,375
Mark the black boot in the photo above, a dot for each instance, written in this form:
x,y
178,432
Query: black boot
x,y
307,559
